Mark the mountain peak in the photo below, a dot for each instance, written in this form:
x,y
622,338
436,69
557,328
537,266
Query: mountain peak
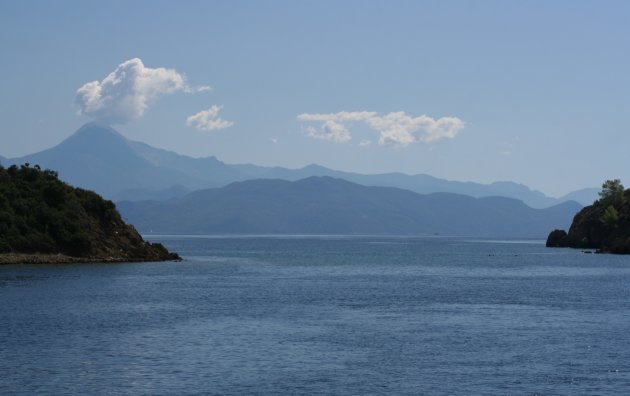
x,y
92,129
97,139
314,167
321,181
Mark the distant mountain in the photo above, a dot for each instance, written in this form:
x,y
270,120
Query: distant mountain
x,y
141,194
323,205
97,157
425,184
100,159
3,160
585,196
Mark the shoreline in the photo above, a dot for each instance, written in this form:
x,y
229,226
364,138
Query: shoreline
x,y
40,258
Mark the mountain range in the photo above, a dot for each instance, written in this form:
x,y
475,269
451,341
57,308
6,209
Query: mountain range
x,y
99,158
324,205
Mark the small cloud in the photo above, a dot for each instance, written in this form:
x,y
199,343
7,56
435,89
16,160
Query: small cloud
x,y
208,120
339,117
332,127
274,140
126,93
402,129
395,128
365,143
330,130
203,88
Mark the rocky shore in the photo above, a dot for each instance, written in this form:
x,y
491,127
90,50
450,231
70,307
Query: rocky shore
x,y
35,258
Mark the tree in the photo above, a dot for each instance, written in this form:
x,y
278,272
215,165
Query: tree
x,y
610,217
612,191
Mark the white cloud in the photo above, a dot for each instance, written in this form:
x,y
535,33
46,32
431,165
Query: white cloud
x,y
401,129
332,127
365,143
330,130
208,120
341,116
396,128
201,88
126,93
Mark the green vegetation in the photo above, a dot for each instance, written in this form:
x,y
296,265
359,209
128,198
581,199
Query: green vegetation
x,y
41,214
610,217
612,195
612,192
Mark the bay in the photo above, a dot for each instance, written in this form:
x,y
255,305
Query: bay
x,y
322,315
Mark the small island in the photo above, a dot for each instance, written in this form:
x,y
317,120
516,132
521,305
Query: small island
x,y
604,225
44,220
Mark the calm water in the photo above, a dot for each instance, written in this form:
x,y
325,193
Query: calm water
x,y
322,316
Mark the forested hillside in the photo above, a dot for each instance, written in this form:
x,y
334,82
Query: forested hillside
x,y
41,214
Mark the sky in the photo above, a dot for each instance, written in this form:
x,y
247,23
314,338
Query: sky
x,y
535,92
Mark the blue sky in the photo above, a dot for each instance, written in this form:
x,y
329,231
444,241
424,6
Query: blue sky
x,y
533,92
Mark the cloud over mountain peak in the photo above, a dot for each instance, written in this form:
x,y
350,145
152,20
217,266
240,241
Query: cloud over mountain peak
x,y
126,93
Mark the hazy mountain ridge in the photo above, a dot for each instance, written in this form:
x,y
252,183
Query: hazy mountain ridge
x,y
323,205
585,196
97,157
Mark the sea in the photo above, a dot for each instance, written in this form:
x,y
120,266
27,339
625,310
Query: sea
x,y
322,315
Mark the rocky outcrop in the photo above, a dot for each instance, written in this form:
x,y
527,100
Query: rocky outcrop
x,y
604,225
556,238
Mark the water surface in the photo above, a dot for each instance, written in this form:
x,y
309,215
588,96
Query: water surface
x,y
322,315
